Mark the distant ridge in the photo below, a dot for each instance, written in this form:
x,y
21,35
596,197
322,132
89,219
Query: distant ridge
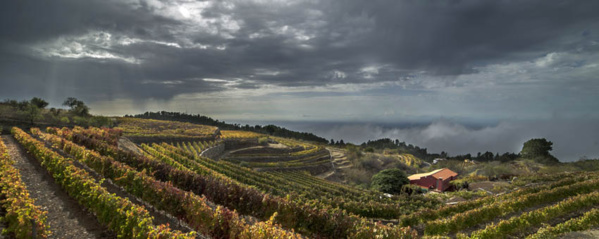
x,y
205,120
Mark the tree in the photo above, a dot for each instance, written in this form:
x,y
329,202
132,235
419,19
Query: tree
x,y
389,181
443,154
81,110
538,150
23,105
55,112
71,102
77,106
33,112
38,102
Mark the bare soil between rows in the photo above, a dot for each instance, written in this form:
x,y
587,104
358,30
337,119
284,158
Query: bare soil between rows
x,y
66,218
160,217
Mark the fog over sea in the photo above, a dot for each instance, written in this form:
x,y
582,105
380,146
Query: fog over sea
x,y
572,139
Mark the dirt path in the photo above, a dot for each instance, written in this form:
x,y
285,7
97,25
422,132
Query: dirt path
x,y
339,162
160,217
128,145
66,218
594,233
339,158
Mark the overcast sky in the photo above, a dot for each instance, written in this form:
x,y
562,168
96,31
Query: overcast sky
x,y
379,61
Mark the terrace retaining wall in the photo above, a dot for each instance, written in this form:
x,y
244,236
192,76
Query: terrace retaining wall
x,y
314,169
232,144
155,139
213,152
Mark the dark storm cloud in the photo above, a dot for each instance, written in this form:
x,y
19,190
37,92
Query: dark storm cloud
x,y
449,37
95,80
27,21
249,43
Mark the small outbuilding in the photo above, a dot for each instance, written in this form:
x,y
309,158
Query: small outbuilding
x,y
436,180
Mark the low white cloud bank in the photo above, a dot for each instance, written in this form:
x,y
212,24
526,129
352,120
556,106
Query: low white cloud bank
x,y
572,139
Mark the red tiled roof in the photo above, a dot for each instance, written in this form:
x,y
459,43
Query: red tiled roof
x,y
439,173
444,174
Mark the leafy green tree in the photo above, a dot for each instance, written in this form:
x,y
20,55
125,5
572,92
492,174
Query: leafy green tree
x,y
55,112
40,103
77,107
71,102
389,181
536,147
23,105
538,150
33,112
81,110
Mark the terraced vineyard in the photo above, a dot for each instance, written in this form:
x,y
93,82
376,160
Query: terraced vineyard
x,y
171,190
292,154
122,216
297,184
409,160
236,134
145,129
541,211
281,216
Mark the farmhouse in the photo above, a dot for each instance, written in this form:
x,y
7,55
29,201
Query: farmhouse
x,y
435,180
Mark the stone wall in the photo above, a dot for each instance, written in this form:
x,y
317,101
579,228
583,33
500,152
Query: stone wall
x,y
152,139
232,144
314,169
213,152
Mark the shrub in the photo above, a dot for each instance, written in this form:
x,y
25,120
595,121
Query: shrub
x,y
358,176
263,140
65,120
389,181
